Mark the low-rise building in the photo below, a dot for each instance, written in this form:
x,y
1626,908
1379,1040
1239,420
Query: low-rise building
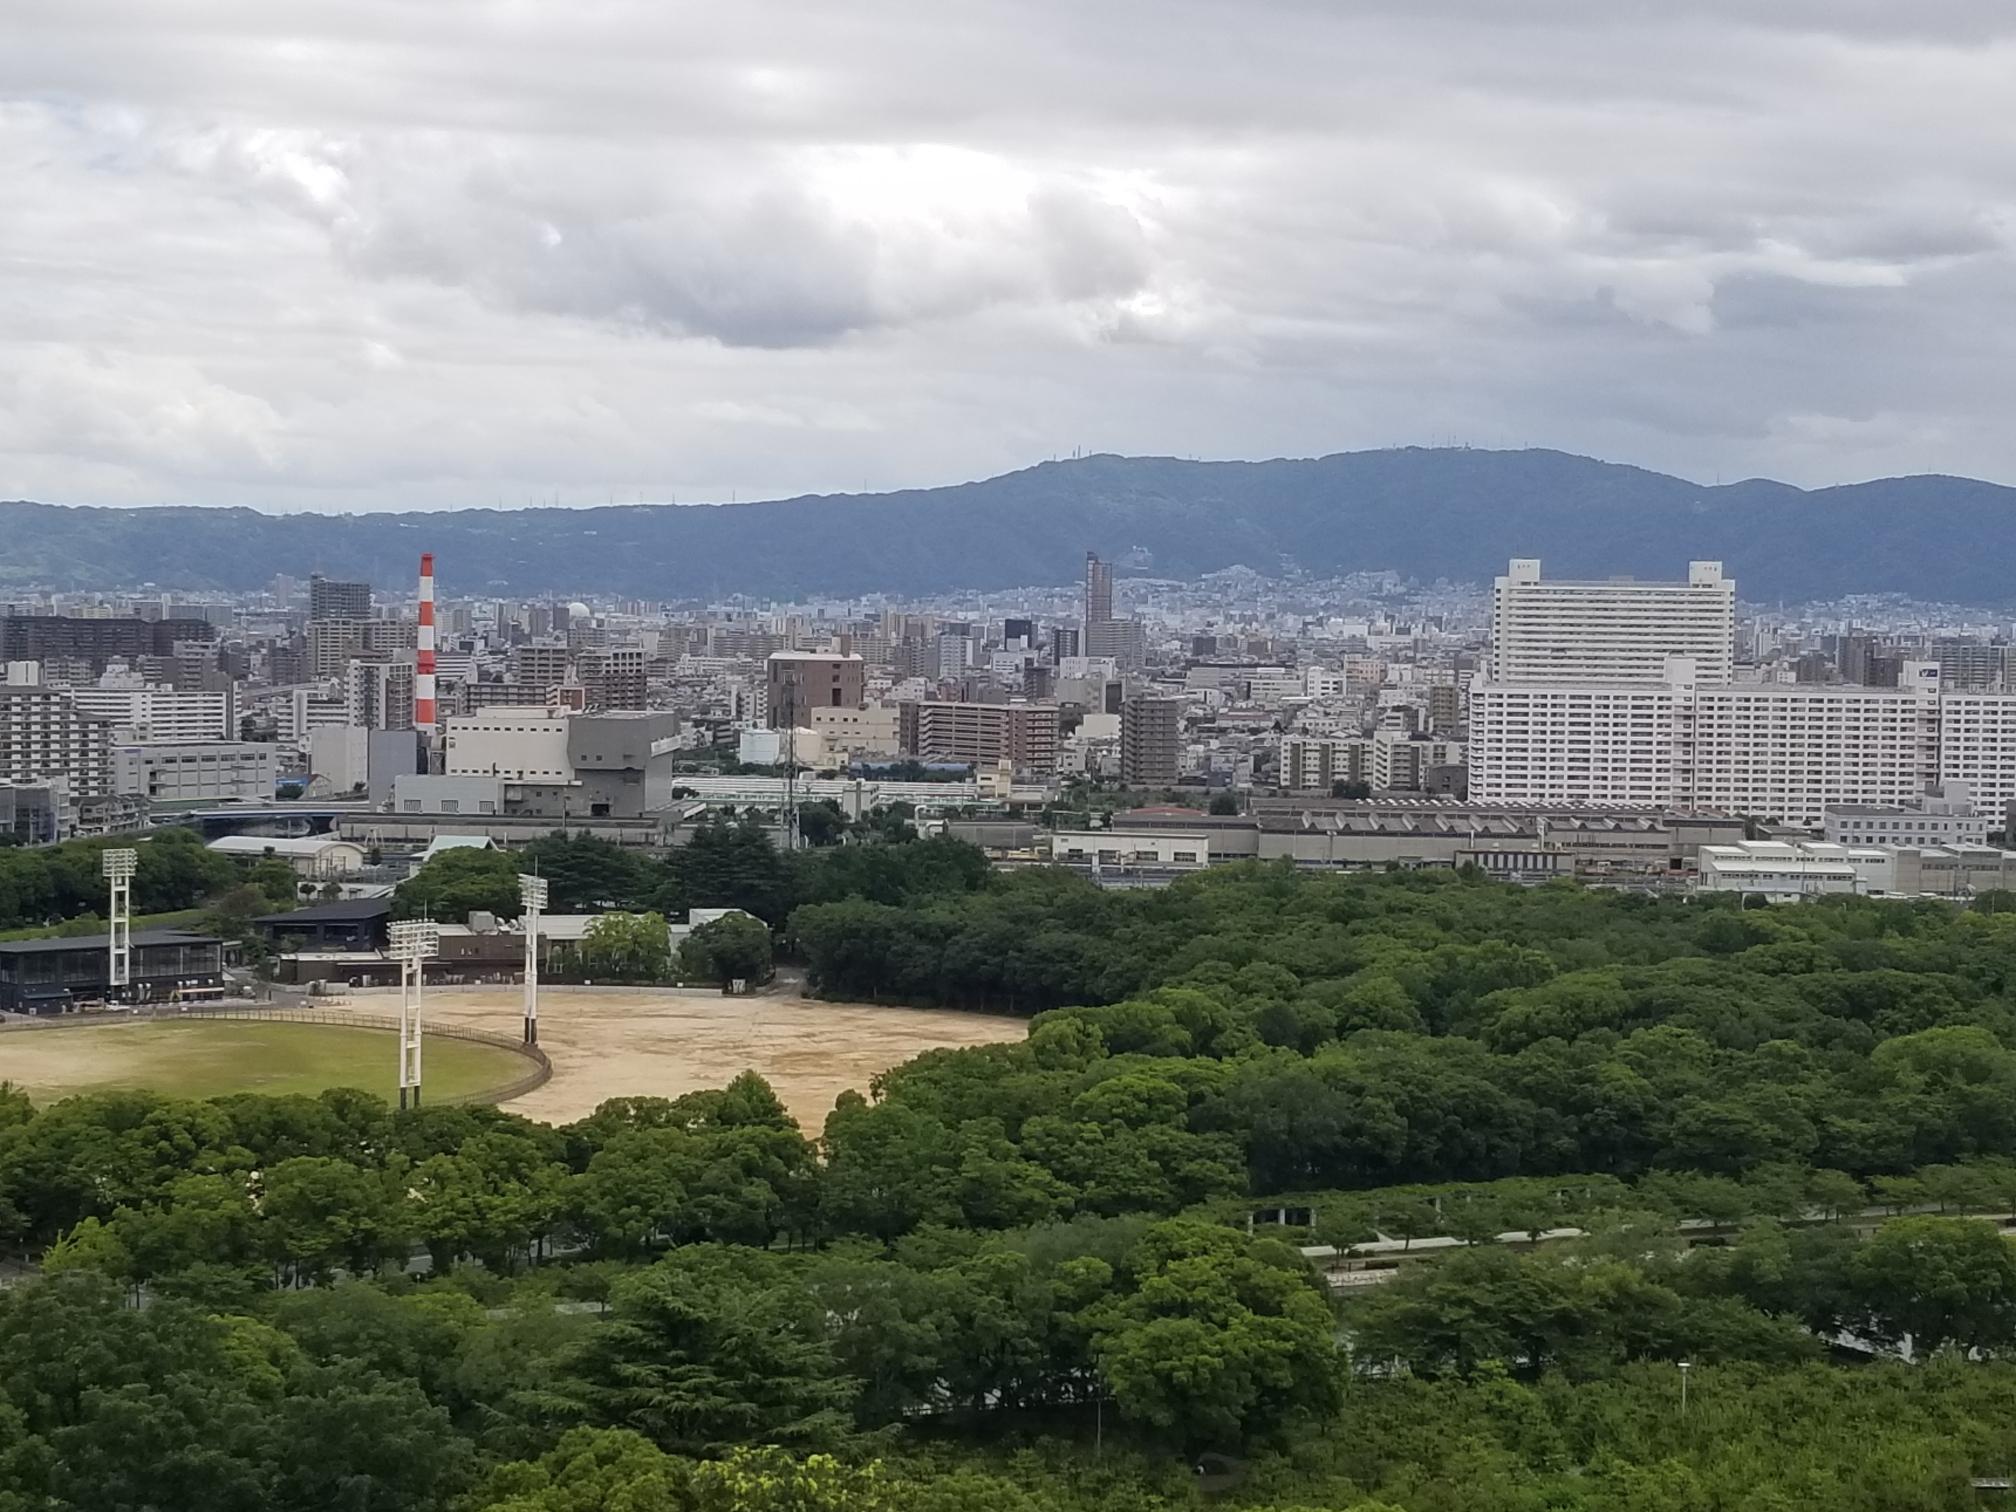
x,y
54,976
181,772
313,856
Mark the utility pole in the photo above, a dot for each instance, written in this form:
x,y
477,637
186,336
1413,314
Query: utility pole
x,y
414,942
119,866
532,894
1685,1366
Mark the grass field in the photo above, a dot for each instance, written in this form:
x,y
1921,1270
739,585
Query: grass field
x,y
207,1059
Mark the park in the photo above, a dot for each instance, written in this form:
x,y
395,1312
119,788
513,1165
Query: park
x,y
602,1043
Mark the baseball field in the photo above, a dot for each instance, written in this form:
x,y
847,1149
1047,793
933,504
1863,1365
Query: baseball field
x,y
206,1058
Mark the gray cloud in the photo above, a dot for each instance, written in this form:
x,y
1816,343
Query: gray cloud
x,y
372,255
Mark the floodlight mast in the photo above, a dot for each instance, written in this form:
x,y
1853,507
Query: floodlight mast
x,y
532,894
414,941
119,867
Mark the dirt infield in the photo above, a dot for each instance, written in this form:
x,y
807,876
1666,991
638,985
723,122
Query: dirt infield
x,y
660,1044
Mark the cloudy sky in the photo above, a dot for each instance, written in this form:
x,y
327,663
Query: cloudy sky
x,y
424,253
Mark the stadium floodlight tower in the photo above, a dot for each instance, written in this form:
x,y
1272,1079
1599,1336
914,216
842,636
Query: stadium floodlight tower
x,y
119,866
414,942
532,894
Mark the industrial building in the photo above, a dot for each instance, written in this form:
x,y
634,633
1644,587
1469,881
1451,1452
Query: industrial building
x,y
186,772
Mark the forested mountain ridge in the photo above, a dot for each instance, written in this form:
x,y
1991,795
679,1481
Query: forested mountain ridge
x,y
1425,513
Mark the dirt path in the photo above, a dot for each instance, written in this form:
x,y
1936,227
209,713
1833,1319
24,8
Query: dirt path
x,y
660,1044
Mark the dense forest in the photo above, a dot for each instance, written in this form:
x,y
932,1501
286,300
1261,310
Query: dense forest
x,y
1053,1275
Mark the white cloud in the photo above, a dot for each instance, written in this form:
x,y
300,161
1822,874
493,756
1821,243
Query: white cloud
x,y
376,255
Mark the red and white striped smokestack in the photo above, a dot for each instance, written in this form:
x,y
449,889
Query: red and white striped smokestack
x,y
423,671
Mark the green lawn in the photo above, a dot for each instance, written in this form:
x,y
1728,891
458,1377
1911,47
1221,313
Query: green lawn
x,y
206,1058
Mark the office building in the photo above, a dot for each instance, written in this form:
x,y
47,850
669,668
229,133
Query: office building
x,y
1619,631
330,600
1948,818
800,681
1098,592
1151,740
1023,735
175,772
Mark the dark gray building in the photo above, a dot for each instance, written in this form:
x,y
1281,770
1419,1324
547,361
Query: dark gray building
x,y
52,976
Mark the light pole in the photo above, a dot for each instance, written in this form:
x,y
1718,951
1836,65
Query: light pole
x,y
532,894
119,866
1685,1366
413,942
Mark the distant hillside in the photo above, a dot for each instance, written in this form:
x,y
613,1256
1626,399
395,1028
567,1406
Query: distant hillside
x,y
1426,513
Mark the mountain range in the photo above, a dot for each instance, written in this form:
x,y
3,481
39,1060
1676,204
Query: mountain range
x,y
1426,513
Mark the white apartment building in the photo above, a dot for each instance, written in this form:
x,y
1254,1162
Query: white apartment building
x,y
1977,734
1580,745
1620,631
184,772
154,712
1787,752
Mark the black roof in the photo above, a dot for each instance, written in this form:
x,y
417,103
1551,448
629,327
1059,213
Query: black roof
x,y
349,911
101,943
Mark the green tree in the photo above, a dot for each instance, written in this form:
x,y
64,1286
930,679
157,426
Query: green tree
x,y
1939,1281
1223,1340
710,1349
459,882
732,947
626,947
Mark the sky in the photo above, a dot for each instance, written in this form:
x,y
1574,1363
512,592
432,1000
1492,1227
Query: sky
x,y
398,254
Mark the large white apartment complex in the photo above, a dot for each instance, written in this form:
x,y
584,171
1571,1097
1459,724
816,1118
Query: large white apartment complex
x,y
1619,631
1622,718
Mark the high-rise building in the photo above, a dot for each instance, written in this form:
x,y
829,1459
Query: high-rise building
x,y
329,600
1618,631
380,694
1098,590
1151,740
801,681
44,736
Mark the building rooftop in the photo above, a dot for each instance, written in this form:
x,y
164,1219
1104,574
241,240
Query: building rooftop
x,y
101,943
279,845
348,911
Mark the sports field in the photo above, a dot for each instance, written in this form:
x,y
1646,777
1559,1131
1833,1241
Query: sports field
x,y
189,1059
665,1042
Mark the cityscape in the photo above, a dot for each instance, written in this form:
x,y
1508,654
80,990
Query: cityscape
x,y
1531,727
1007,757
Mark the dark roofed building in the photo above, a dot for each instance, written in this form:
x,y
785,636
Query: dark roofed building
x,y
51,976
354,924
